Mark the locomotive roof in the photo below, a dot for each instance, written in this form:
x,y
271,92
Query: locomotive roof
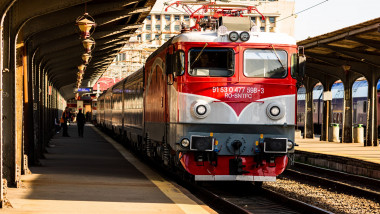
x,y
212,36
255,37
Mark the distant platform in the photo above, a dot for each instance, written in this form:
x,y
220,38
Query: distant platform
x,y
95,174
347,157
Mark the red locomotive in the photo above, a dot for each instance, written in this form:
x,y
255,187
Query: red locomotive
x,y
221,102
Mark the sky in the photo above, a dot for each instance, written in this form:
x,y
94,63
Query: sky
x,y
332,15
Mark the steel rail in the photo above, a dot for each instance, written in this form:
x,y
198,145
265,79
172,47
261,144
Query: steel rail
x,y
291,203
338,184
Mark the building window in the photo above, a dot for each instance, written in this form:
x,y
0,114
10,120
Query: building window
x,y
148,27
158,17
176,17
147,37
148,17
253,19
122,57
262,29
167,27
157,37
262,20
187,18
139,36
272,19
206,17
167,17
158,27
167,36
176,27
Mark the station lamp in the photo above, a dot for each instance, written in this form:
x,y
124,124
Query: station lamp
x,y
81,68
86,58
85,24
346,67
89,44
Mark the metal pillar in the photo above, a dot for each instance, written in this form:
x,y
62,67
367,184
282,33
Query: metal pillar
x,y
371,136
35,92
326,118
9,147
40,111
347,110
19,105
309,126
4,24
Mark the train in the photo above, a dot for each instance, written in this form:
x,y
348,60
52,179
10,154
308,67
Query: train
x,y
218,104
359,101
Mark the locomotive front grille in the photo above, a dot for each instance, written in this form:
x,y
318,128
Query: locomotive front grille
x,y
202,143
275,145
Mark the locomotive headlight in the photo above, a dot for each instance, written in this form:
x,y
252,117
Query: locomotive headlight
x,y
185,142
275,111
200,109
290,145
244,36
233,36
222,30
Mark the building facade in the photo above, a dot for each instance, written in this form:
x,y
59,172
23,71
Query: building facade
x,y
160,26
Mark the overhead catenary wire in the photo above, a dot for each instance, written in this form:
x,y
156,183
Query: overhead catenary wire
x,y
309,8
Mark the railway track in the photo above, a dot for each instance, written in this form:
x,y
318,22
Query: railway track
x,y
236,197
248,199
343,182
240,197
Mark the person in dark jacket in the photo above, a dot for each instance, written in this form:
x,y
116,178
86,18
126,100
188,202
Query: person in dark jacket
x,y
80,122
64,119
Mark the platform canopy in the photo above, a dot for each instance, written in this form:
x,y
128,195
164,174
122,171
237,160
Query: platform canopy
x,y
355,49
49,30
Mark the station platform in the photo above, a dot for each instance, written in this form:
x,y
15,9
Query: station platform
x,y
95,174
347,157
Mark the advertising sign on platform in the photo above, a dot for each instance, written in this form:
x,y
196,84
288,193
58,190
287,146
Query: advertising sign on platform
x,y
83,90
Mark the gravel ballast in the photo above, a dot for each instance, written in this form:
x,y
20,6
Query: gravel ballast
x,y
324,198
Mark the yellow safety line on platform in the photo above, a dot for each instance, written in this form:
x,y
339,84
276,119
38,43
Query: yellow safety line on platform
x,y
172,192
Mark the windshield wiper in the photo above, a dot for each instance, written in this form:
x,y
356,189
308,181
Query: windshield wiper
x,y
196,59
278,58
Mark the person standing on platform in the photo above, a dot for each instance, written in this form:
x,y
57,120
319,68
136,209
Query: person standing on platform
x,y
88,116
65,118
81,120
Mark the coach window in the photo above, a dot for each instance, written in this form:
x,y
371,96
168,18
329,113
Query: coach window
x,y
213,62
265,63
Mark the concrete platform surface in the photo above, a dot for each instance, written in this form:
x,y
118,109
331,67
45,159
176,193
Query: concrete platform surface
x,y
349,150
88,175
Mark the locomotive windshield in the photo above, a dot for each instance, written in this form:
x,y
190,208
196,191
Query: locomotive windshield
x,y
265,63
214,62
